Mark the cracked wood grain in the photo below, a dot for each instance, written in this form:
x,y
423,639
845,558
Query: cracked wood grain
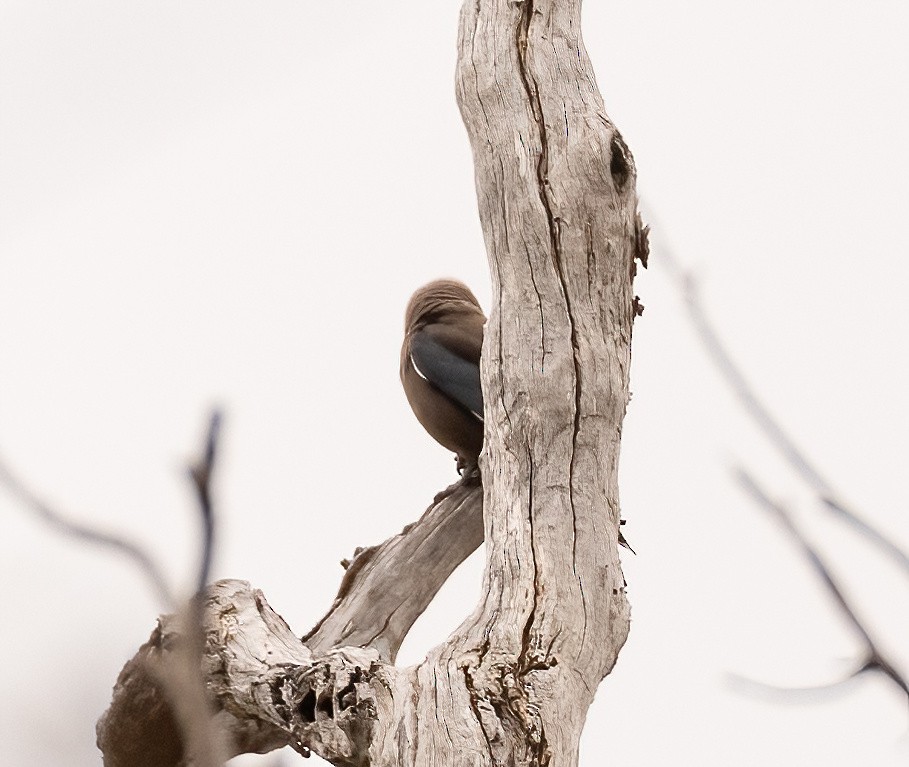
x,y
559,212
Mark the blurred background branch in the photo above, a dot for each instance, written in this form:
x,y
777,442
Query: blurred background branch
x,y
874,658
687,286
31,501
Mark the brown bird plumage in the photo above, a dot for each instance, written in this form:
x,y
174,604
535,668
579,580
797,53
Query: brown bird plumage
x,y
440,366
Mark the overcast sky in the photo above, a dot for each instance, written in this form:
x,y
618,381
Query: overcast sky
x,y
230,202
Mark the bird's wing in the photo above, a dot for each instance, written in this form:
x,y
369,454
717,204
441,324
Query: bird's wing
x,y
452,374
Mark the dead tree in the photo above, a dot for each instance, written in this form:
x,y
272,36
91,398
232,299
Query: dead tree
x,y
512,685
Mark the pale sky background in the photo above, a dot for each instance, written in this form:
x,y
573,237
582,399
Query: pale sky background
x,y
226,202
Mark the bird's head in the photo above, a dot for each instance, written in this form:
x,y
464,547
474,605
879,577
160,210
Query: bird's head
x,y
437,298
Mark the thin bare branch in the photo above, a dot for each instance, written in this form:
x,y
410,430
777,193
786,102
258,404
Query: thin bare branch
x,y
897,554
43,511
201,473
806,694
181,676
178,674
736,380
166,677
874,658
163,690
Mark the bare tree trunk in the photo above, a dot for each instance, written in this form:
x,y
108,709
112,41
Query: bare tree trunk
x,y
557,202
512,685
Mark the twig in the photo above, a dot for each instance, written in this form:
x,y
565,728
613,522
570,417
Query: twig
x,y
200,472
809,693
874,658
761,415
171,666
180,671
861,526
50,516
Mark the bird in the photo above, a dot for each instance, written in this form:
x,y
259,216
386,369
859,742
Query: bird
x,y
440,367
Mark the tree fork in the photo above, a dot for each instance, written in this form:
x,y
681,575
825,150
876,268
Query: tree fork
x,y
512,685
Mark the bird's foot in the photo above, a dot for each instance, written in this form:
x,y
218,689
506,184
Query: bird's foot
x,y
469,471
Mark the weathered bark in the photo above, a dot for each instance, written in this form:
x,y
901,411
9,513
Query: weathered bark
x,y
512,685
557,202
386,588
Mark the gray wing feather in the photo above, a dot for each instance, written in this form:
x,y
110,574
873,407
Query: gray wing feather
x,y
447,371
